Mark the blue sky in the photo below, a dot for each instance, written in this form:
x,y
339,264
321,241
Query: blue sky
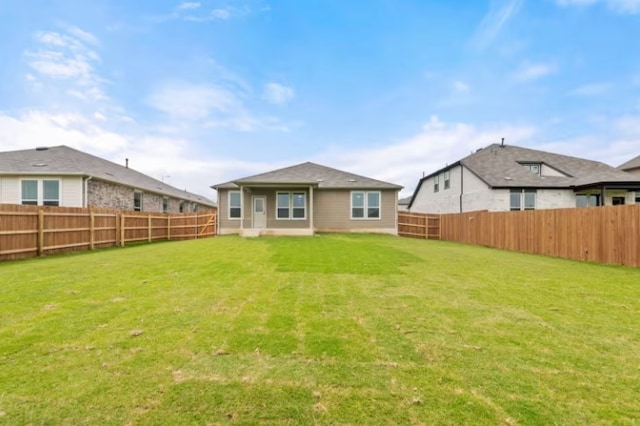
x,y
200,92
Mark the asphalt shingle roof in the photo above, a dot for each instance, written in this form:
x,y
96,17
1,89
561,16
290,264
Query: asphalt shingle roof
x,y
501,166
311,174
634,163
62,160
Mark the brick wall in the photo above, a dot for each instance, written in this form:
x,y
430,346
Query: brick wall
x,y
111,196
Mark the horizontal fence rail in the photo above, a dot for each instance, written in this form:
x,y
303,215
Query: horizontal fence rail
x,y
609,234
27,231
417,225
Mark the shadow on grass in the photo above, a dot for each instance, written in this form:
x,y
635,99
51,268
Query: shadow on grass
x,y
356,254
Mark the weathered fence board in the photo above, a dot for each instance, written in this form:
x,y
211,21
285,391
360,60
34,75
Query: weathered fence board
x,y
27,231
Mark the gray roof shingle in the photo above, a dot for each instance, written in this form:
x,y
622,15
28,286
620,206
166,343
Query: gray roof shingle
x,y
310,174
501,166
62,160
634,163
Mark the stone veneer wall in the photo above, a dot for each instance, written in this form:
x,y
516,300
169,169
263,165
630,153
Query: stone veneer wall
x,y
112,196
109,196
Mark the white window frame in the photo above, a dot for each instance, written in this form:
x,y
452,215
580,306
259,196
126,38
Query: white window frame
x,y
365,197
290,208
165,205
436,183
237,207
141,207
447,179
40,200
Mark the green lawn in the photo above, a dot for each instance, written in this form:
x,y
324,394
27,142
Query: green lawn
x,y
333,329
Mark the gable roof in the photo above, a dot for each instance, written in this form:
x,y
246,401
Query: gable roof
x,y
307,174
634,163
501,166
62,160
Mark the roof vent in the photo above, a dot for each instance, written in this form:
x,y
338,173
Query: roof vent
x,y
351,180
40,165
42,148
508,178
319,180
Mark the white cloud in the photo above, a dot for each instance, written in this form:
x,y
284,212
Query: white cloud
x,y
213,105
460,87
278,94
499,14
531,72
67,57
188,5
620,6
591,89
436,145
186,101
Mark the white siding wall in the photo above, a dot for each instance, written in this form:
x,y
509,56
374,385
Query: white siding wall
x,y
555,199
549,171
476,195
70,189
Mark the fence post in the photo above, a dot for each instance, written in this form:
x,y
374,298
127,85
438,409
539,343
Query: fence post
x,y
426,227
196,227
92,230
40,232
149,227
123,219
169,228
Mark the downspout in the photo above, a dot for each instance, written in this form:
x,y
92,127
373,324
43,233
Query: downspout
x,y
86,191
462,184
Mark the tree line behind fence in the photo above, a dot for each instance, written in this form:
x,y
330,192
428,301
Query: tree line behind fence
x,y
27,231
609,234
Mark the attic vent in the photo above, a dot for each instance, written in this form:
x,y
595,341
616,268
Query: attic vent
x,y
319,180
508,178
351,180
110,174
40,165
42,148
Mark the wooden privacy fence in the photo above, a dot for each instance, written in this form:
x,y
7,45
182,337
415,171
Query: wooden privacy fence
x,y
27,231
418,225
600,234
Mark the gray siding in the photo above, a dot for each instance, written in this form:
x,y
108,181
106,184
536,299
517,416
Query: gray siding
x,y
333,212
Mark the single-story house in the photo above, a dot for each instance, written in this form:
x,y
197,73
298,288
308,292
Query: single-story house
x,y
504,177
304,199
66,177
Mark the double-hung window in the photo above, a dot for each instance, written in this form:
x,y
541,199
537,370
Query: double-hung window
x,y
137,201
365,205
36,192
436,183
291,205
235,208
447,179
522,199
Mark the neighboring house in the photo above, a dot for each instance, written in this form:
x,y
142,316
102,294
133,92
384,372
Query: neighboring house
x,y
63,176
631,166
503,177
306,198
403,204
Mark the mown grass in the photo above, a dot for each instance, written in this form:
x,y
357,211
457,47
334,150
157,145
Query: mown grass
x,y
334,329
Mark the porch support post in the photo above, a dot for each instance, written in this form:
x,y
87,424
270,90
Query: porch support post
x,y
242,212
311,214
602,195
